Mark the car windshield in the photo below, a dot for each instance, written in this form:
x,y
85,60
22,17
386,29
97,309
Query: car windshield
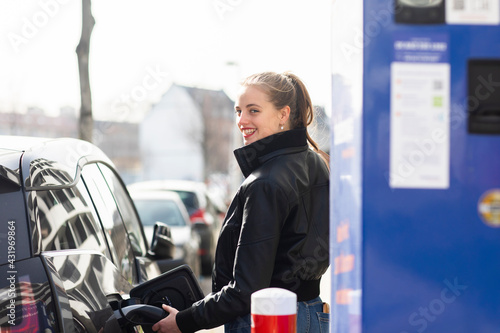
x,y
166,211
189,199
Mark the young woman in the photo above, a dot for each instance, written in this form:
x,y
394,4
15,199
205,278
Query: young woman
x,y
275,233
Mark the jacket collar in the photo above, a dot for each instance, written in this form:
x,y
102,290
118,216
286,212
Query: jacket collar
x,y
252,156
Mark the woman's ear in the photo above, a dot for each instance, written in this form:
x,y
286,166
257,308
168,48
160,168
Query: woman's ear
x,y
284,114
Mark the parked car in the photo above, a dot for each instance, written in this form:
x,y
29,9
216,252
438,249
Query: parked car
x,y
72,247
204,212
167,207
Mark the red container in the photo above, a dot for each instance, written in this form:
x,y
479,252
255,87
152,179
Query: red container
x,y
274,310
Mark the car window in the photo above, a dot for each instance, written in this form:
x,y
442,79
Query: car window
x,y
68,220
189,199
111,221
127,211
165,211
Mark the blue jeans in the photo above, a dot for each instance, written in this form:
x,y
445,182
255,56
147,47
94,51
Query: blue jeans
x,y
310,319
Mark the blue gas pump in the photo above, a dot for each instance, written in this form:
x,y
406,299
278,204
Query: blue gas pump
x,y
415,182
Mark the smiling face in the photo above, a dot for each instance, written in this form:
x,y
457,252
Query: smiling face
x,y
256,117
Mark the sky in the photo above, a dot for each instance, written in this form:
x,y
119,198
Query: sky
x,y
140,47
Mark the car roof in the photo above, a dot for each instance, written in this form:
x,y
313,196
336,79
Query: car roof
x,y
62,160
154,194
170,184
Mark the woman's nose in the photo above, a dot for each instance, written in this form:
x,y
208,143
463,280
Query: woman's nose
x,y
242,119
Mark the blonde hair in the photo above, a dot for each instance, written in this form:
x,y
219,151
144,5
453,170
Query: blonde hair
x,y
286,89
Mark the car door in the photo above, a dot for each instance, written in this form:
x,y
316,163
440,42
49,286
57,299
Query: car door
x,y
76,257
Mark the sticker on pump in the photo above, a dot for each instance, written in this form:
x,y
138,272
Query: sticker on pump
x,y
420,112
489,208
477,12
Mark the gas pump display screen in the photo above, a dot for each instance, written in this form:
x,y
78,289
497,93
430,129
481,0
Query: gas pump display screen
x,y
421,3
419,11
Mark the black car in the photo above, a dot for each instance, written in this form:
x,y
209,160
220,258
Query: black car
x,y
72,248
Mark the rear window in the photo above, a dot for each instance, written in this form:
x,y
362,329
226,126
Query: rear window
x,y
68,220
190,200
166,211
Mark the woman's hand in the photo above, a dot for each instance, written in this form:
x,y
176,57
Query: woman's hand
x,y
167,324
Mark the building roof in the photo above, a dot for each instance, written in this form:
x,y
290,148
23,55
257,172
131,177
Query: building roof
x,y
214,101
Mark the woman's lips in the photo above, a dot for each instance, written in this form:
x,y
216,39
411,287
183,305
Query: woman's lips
x,y
248,132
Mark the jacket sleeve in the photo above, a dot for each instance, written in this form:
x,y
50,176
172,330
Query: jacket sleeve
x,y
265,207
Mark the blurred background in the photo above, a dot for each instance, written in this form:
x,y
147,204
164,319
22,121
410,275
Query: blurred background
x,y
162,76
153,84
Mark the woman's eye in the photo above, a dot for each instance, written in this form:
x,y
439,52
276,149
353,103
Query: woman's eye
x,y
254,111
238,112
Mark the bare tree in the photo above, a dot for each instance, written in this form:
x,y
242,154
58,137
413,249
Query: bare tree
x,y
82,50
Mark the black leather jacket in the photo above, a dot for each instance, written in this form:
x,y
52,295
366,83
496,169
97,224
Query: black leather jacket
x,y
275,233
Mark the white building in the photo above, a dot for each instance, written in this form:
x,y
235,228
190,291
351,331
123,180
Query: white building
x,y
180,137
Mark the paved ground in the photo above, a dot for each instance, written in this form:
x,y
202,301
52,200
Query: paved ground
x,y
325,294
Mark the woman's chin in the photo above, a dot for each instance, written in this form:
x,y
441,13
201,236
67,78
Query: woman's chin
x,y
247,141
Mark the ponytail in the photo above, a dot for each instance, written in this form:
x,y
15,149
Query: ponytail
x,y
305,113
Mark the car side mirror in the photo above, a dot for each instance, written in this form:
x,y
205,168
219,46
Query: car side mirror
x,y
162,245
